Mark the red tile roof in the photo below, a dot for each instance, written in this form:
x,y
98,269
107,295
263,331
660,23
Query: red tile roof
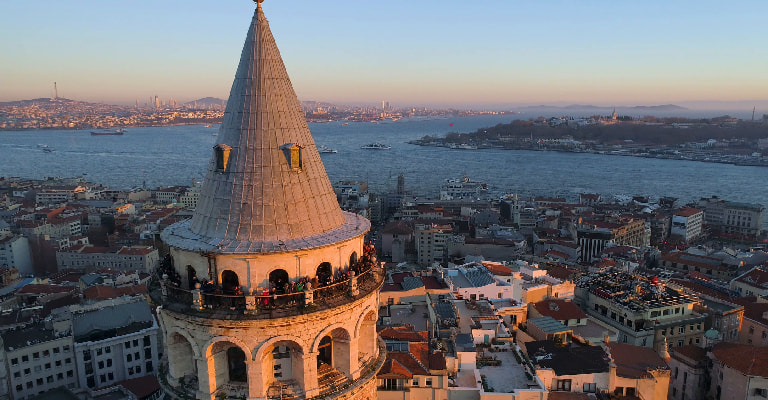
x,y
560,310
498,269
135,251
687,212
757,277
749,360
756,312
101,292
45,289
692,352
634,361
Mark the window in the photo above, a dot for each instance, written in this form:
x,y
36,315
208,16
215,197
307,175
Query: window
x,y
86,355
36,355
147,342
760,392
47,365
221,152
38,368
101,364
109,362
130,371
681,330
148,352
56,350
590,388
29,385
39,381
148,366
108,349
46,353
136,356
59,376
65,348
58,363
70,373
129,357
127,345
27,371
428,382
562,385
14,361
415,382
98,351
111,376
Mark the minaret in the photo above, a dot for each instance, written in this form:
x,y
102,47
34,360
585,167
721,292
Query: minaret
x,y
269,288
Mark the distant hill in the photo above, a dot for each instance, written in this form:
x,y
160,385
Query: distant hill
x,y
207,102
42,100
663,107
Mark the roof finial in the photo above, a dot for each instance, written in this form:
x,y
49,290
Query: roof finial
x,y
258,3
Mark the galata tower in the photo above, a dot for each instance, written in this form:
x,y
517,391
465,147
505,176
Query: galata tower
x,y
269,290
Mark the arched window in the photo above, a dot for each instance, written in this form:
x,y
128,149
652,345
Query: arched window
x,y
230,283
221,152
191,276
236,363
353,260
278,279
324,274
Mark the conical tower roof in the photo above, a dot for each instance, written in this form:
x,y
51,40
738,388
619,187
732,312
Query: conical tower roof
x,y
266,188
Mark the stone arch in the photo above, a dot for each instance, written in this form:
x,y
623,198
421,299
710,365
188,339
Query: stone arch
x,y
230,282
182,354
338,349
278,278
324,273
186,335
281,360
365,333
221,361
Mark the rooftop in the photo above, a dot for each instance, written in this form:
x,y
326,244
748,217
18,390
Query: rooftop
x,y
749,360
568,360
549,325
635,361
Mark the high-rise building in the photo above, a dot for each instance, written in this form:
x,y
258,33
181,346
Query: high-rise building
x,y
270,290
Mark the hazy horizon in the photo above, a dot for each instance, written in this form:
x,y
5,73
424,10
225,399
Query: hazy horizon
x,y
440,54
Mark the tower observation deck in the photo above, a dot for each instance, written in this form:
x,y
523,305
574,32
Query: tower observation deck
x,y
269,290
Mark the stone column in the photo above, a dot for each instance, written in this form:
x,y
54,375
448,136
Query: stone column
x,y
311,387
256,388
164,288
197,298
250,305
354,358
207,383
353,290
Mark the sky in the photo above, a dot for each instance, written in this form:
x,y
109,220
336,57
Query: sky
x,y
465,54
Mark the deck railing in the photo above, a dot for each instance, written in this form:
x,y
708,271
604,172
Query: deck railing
x,y
263,306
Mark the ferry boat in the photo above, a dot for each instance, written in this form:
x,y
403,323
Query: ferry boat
x,y
108,132
325,149
376,146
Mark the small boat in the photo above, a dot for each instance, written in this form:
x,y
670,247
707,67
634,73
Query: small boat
x,y
208,126
108,132
48,149
346,123
376,146
325,149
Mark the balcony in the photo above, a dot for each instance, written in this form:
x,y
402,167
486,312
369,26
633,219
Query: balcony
x,y
252,306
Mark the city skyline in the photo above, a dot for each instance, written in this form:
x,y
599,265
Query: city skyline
x,y
454,54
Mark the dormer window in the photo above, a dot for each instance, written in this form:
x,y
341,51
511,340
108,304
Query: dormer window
x,y
292,152
221,152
